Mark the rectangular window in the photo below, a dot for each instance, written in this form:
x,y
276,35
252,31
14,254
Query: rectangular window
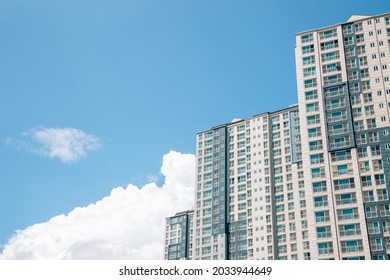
x,y
307,38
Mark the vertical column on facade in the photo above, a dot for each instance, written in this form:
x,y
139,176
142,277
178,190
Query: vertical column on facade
x,y
219,195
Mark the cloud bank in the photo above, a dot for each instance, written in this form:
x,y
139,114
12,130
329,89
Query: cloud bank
x,y
67,144
127,224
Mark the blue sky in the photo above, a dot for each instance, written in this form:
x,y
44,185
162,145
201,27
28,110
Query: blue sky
x,y
138,79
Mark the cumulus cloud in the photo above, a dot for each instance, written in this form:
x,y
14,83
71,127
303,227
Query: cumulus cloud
x,y
66,144
127,224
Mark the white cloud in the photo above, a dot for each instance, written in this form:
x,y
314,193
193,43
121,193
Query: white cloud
x,y
67,144
127,224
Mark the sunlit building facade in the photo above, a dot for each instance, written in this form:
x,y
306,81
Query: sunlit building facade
x,y
344,98
310,181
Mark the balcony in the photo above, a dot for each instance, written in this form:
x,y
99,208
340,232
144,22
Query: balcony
x,y
318,175
371,215
329,46
364,74
310,85
330,57
383,197
323,235
374,230
325,251
337,119
338,131
314,134
353,77
342,172
344,201
354,89
352,249
332,81
323,219
311,97
366,86
343,217
335,93
312,122
319,189
359,127
371,125
367,99
316,148
350,232
385,212
340,144
335,105
360,40
375,153
344,186
318,204
376,247
341,157
379,182
326,35
312,109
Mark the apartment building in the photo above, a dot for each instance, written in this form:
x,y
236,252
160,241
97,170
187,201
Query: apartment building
x,y
178,236
309,181
249,200
343,93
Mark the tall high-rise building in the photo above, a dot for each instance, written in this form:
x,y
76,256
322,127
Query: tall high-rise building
x,y
310,181
178,236
343,76
246,186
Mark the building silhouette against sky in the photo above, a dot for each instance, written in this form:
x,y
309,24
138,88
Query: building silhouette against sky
x,y
310,181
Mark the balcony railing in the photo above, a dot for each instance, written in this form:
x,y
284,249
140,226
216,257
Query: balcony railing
x,y
323,219
344,186
337,119
318,175
316,148
350,232
330,57
343,172
382,197
322,235
320,204
371,125
341,157
334,93
319,189
335,106
328,35
315,121
376,247
374,230
343,201
352,216
340,144
385,213
314,134
329,46
325,251
332,81
338,131
352,249
386,228
311,97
